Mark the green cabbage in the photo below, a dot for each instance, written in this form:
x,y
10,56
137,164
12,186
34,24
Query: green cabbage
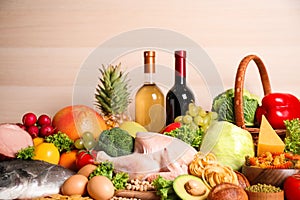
x,y
223,104
229,143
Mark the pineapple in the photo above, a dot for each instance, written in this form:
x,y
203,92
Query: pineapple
x,y
112,95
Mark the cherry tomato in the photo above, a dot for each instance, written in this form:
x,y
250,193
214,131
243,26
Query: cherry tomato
x,y
83,158
291,187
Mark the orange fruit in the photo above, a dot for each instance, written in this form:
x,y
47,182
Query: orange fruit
x,y
77,119
47,152
68,160
37,141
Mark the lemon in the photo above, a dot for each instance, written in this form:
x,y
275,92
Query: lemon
x,y
132,127
47,152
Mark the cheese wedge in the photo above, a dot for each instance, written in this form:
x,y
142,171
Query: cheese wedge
x,y
268,140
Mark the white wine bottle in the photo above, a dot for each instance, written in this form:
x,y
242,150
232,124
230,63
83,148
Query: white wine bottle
x,y
149,99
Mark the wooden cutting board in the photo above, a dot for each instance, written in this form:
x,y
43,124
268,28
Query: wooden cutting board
x,y
145,195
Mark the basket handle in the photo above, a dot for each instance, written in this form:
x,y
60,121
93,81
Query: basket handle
x,y
239,86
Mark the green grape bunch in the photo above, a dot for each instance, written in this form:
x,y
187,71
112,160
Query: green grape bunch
x,y
197,116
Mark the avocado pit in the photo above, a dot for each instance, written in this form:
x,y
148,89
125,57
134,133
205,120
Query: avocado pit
x,y
194,188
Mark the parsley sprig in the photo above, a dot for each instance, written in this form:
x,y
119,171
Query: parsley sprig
x,y
26,153
61,141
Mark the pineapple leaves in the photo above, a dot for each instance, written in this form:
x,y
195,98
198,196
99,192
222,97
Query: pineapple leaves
x,y
112,93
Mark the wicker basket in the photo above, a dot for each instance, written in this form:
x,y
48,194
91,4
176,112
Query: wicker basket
x,y
238,94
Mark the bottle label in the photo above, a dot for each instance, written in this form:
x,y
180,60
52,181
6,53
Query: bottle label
x,y
157,118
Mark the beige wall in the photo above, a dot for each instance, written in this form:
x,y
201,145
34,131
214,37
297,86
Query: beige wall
x,y
44,43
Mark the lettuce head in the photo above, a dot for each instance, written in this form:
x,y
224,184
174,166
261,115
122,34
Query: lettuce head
x,y
229,143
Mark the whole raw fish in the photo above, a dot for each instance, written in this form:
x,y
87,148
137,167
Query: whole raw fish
x,y
21,179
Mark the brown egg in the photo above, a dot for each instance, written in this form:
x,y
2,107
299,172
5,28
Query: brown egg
x,y
75,185
87,170
100,188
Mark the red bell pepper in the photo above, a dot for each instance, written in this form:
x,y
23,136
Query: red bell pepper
x,y
277,107
171,127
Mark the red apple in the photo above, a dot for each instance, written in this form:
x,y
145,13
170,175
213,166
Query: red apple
x,y
291,187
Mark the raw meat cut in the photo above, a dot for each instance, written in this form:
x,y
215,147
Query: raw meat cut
x,y
12,139
154,154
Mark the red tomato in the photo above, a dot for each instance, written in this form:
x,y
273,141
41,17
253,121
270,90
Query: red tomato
x,y
83,158
291,187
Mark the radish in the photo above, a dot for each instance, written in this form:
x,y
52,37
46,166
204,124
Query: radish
x,y
46,130
29,119
33,131
44,120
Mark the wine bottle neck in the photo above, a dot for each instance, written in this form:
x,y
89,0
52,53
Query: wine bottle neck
x,y
180,67
149,78
180,80
149,66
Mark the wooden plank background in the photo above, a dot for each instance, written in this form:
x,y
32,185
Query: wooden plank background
x,y
44,43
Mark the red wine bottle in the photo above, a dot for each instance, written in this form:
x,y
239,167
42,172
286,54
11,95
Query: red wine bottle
x,y
179,96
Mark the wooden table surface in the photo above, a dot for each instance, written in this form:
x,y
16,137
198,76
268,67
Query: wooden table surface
x,y
43,44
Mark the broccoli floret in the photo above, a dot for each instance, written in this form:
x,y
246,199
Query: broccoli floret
x,y
116,142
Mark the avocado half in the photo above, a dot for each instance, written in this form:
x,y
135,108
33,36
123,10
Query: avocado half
x,y
179,187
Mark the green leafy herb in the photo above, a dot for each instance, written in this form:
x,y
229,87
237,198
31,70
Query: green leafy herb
x,y
61,141
164,188
103,169
26,153
292,139
120,179
188,134
106,168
